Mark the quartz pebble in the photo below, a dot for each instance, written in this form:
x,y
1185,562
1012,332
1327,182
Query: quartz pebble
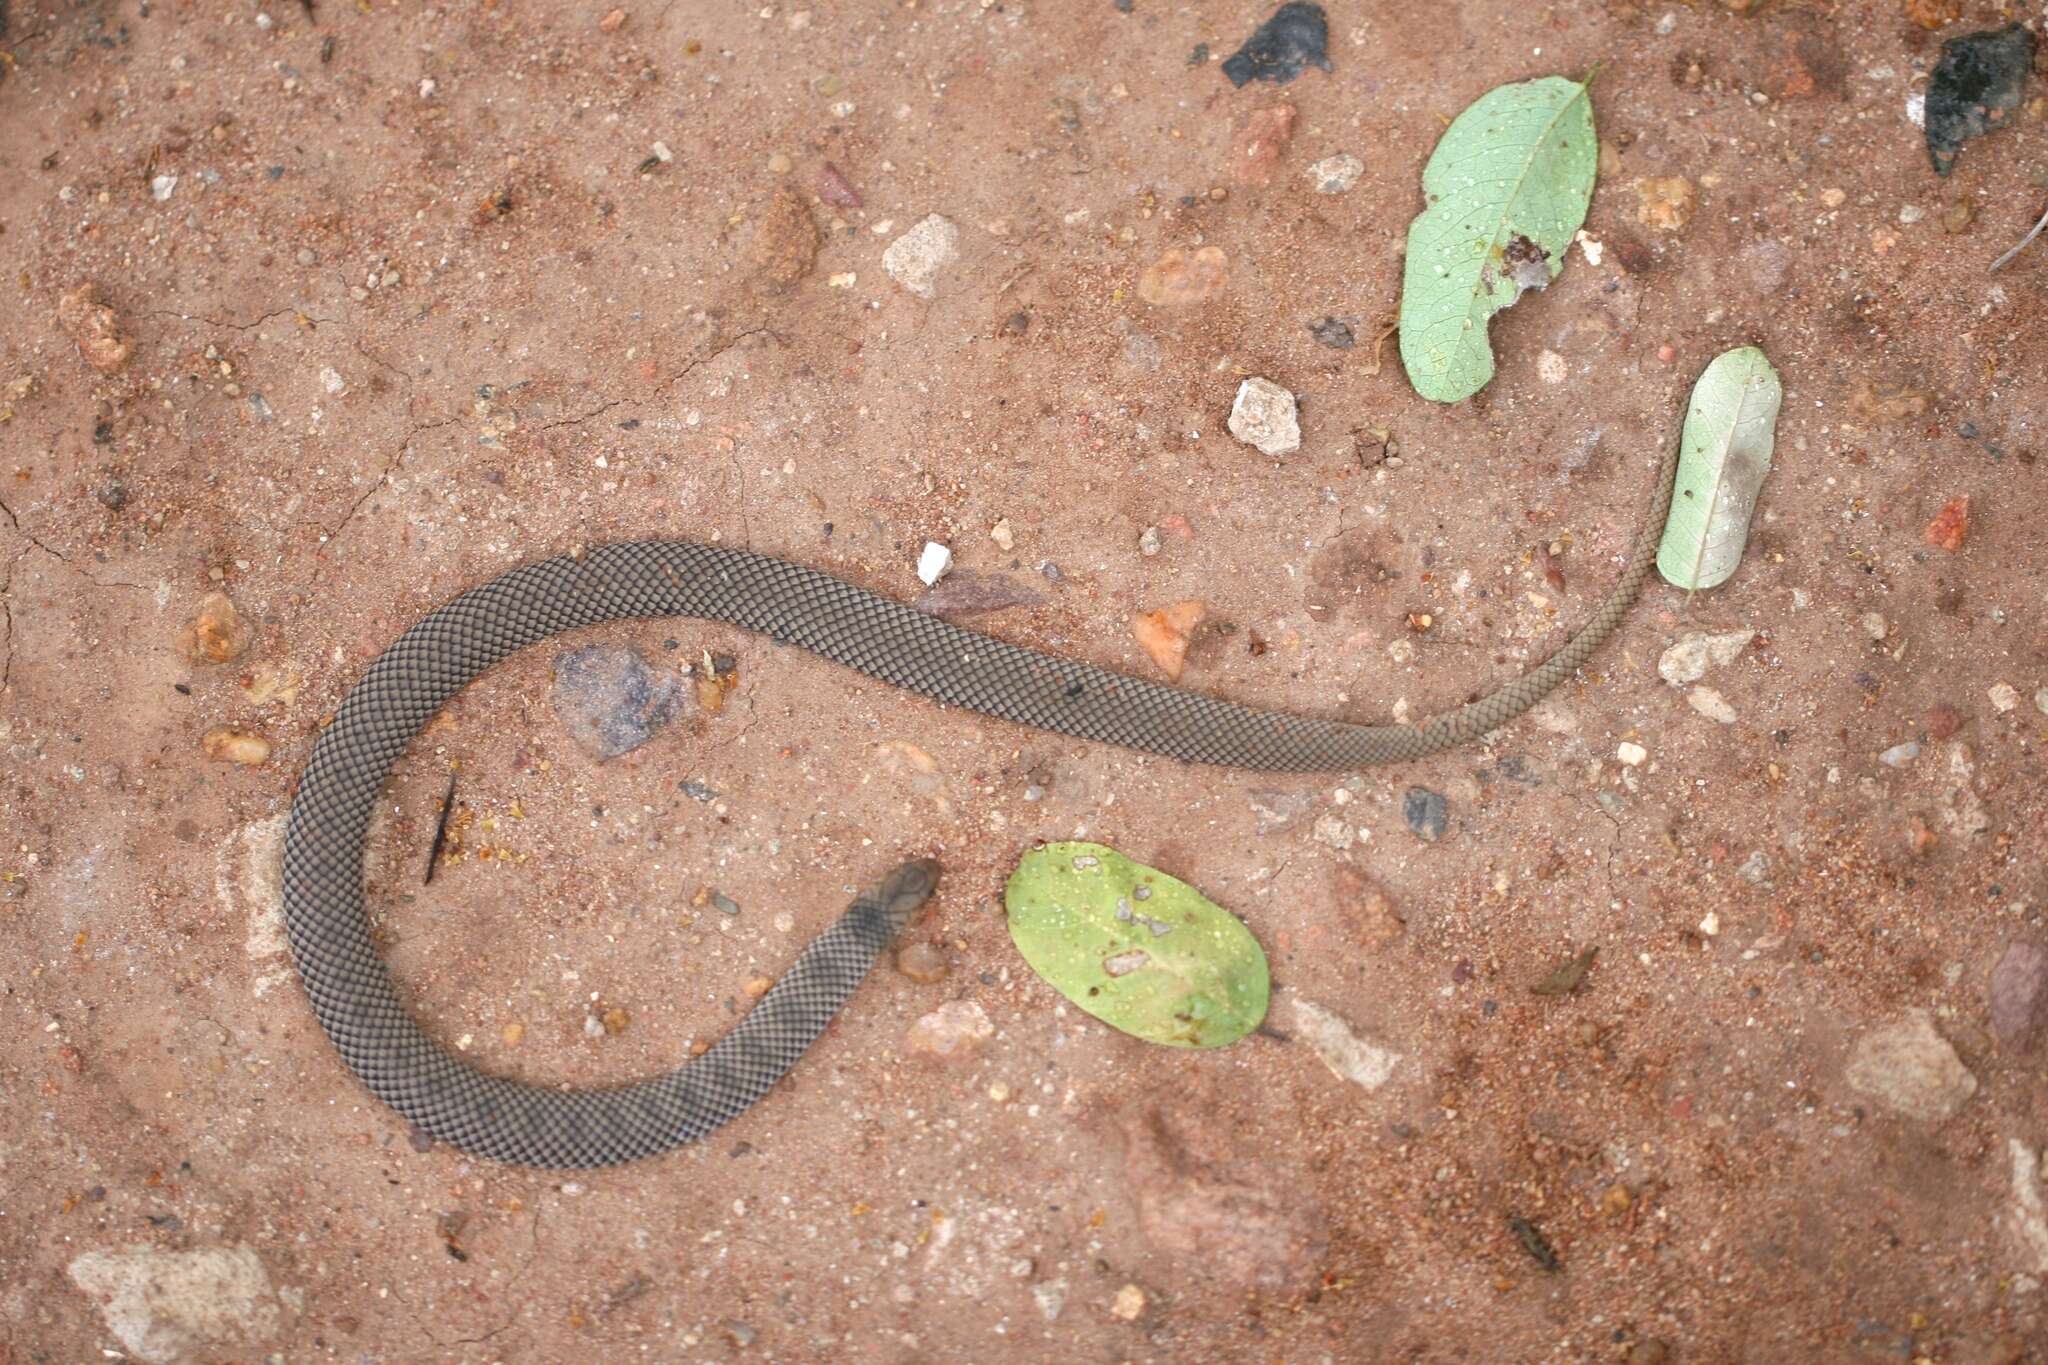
x,y
1264,417
915,259
933,563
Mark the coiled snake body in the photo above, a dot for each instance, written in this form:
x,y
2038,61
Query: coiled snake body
x,y
352,992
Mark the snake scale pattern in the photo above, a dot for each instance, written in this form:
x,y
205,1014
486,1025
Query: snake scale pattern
x,y
359,1006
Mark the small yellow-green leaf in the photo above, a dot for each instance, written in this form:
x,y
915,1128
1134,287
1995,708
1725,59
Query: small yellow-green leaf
x,y
1724,453
1506,188
1139,950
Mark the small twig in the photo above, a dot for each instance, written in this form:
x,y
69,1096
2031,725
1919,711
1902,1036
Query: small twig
x,y
1393,326
440,832
2036,232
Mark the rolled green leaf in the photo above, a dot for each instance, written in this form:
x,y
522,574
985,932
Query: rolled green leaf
x,y
1725,452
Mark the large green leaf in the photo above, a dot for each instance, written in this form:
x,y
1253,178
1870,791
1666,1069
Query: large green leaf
x,y
1139,950
1724,453
1506,189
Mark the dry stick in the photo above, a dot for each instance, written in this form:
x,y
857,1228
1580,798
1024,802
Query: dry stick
x,y
2023,241
440,832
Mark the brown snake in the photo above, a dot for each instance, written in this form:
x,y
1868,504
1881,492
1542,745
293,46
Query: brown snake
x,y
360,1008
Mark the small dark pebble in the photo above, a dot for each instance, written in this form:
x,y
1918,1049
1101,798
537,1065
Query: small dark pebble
x,y
726,904
697,791
1124,6
740,1149
182,689
609,700
1427,813
1533,1241
1974,88
96,1194
1200,56
1297,36
419,1139
740,1333
1333,333
113,495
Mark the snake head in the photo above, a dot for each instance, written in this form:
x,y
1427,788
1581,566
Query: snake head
x,y
906,888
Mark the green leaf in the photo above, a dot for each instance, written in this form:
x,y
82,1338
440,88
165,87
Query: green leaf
x,y
1506,187
1139,950
1724,453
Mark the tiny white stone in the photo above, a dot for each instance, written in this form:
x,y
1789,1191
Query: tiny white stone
x,y
933,563
2004,696
1551,368
161,187
1592,246
1002,535
1916,110
331,380
1873,624
427,87
1630,753
1711,925
662,153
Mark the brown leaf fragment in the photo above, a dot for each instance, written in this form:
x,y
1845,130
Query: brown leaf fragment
x,y
964,591
1568,976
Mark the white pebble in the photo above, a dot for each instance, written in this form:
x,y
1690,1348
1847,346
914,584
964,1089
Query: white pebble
x,y
1336,174
1631,754
1711,704
915,259
2004,696
1263,416
933,563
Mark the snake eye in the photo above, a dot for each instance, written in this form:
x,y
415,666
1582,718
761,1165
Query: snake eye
x,y
1074,688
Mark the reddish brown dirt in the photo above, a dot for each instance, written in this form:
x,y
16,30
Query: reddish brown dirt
x,y
540,333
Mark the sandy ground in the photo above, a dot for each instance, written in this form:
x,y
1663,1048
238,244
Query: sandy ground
x,y
402,296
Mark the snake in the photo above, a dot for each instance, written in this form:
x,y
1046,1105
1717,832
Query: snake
x,y
359,1006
